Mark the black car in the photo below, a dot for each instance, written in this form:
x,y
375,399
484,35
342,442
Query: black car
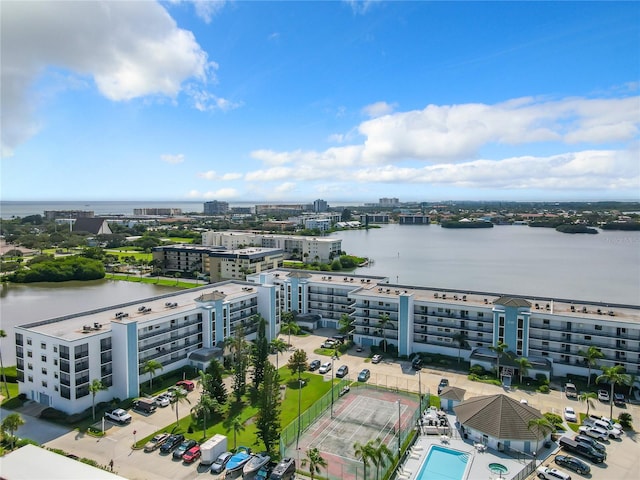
x,y
342,371
314,365
172,442
444,382
184,447
573,463
416,364
592,442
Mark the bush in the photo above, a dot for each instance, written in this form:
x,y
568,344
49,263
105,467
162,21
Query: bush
x,y
477,370
625,420
543,389
542,379
555,420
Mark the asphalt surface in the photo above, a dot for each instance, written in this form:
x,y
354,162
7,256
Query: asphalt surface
x,y
623,462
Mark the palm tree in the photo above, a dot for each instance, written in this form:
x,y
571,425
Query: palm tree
x,y
278,346
461,339
12,422
633,378
591,356
94,387
382,323
204,408
379,451
179,396
541,426
3,334
523,366
150,367
289,324
500,348
588,397
364,453
236,426
344,324
613,375
314,460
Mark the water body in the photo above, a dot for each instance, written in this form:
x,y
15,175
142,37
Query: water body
x,y
504,259
26,303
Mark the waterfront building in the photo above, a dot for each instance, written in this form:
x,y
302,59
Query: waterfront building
x,y
66,214
216,207
58,358
293,209
368,218
219,263
414,219
309,249
320,206
160,212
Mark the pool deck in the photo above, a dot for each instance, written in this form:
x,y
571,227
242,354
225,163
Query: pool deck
x,y
479,460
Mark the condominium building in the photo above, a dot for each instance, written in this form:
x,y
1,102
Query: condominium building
x,y
155,211
58,358
219,263
215,207
309,249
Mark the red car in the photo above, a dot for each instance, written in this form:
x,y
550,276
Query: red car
x,y
191,455
188,385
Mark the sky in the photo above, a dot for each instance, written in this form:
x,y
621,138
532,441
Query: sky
x,y
336,100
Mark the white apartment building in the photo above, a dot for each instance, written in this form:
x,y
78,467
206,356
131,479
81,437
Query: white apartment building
x,y
310,249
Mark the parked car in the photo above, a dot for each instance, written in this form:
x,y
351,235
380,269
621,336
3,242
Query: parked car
x,y
573,463
171,443
416,364
618,399
156,442
364,375
444,382
570,390
183,447
192,454
548,473
358,348
603,395
377,358
591,443
570,415
594,432
342,371
221,462
162,400
187,385
314,365
325,367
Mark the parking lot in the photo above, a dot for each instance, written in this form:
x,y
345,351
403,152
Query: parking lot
x,y
623,462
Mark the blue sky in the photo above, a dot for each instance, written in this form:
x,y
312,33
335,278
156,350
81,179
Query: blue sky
x,y
293,101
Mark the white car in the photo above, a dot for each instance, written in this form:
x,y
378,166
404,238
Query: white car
x,y
377,358
162,400
603,395
325,367
570,415
594,432
548,473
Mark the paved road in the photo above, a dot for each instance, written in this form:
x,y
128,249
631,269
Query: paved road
x,y
623,461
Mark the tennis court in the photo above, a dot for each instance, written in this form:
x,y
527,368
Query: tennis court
x,y
361,415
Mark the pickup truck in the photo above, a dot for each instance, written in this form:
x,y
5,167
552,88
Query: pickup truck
x,y
582,449
118,415
570,390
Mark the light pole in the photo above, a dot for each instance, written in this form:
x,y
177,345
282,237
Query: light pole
x,y
420,390
399,429
333,359
299,396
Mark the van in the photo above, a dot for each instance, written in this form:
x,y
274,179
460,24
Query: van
x,y
145,406
285,470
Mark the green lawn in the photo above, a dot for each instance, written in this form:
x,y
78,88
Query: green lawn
x,y
129,252
151,280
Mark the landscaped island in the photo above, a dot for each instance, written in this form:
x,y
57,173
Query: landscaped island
x,y
466,224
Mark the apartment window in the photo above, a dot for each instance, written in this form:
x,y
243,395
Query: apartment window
x,y
82,391
55,349
82,351
30,378
55,361
480,314
44,383
587,337
480,335
598,327
28,341
29,353
65,392
30,366
55,374
19,339
545,322
43,346
44,371
56,388
64,352
479,325
43,358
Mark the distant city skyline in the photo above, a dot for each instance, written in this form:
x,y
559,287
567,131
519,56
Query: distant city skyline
x,y
345,101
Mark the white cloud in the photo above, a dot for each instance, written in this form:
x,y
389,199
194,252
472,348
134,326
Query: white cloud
x,y
223,193
212,175
379,109
173,159
205,9
286,187
360,7
129,49
207,101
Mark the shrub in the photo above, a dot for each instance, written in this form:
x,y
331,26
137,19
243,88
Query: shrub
x,y
542,379
476,370
543,389
555,420
625,420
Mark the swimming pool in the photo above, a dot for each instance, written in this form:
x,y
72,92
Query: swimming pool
x,y
444,464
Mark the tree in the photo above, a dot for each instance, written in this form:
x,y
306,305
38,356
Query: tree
x,y
150,367
204,408
500,348
344,324
613,375
278,346
216,387
94,387
12,422
461,339
289,325
523,366
588,397
177,277
379,451
298,362
591,355
235,425
632,379
268,418
238,347
3,334
541,427
179,396
364,453
260,353
382,323
314,461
